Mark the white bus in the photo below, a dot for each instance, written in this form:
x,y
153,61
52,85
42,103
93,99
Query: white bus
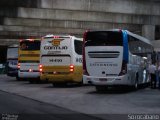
x,y
61,59
12,60
29,59
115,57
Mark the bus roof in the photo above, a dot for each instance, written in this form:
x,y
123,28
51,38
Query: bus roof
x,y
37,39
129,33
52,35
13,46
139,37
61,36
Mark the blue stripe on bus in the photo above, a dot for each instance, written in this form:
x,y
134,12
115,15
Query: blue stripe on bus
x,y
125,46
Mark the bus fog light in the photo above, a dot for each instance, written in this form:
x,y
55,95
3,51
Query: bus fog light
x,y
54,72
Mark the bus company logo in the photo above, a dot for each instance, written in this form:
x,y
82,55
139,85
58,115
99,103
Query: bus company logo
x,y
55,47
56,42
103,64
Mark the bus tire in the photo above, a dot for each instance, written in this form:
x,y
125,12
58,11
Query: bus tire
x,y
136,83
31,81
100,88
59,84
80,83
17,78
37,80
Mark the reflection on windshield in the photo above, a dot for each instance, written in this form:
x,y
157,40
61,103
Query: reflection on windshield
x,y
27,45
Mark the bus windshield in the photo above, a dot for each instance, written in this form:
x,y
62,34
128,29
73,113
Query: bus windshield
x,y
104,38
12,53
30,45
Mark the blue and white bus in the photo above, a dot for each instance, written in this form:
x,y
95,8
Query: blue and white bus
x,y
115,57
12,60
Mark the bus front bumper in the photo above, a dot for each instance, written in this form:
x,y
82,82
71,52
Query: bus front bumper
x,y
110,81
28,74
12,73
59,78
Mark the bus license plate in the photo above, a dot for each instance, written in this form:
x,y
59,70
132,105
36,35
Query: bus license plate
x,y
102,79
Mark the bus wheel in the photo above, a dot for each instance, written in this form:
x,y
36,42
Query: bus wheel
x,y
31,81
59,84
100,88
38,81
80,83
136,83
17,78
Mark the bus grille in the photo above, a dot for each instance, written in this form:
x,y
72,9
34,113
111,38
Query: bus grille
x,y
28,70
104,54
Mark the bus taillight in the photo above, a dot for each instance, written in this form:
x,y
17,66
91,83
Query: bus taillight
x,y
30,70
19,66
123,68
83,54
40,68
71,68
56,37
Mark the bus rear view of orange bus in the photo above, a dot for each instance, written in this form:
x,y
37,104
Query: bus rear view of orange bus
x,y
28,59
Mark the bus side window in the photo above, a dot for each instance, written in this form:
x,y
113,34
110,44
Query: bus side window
x,y
78,47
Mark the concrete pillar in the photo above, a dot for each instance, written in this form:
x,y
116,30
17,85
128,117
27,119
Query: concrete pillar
x,y
148,31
